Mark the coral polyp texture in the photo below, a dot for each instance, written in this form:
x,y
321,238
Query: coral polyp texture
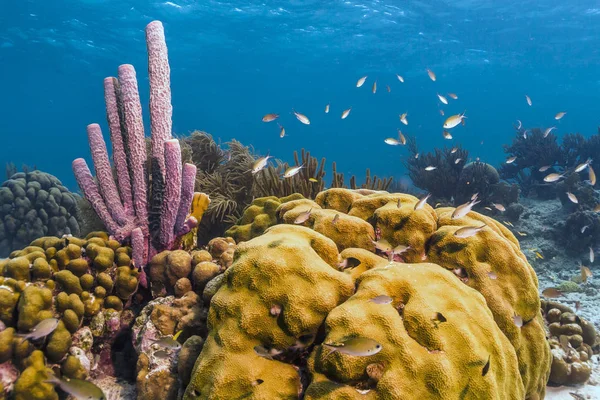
x,y
85,283
571,341
463,317
35,204
122,203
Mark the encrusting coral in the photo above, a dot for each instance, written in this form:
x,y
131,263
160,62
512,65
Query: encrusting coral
x,y
491,288
35,204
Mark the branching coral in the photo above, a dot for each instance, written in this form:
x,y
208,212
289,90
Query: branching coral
x,y
534,151
225,176
442,182
270,183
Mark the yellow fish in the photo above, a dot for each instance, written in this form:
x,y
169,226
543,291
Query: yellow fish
x,y
538,255
313,180
200,203
454,120
374,88
522,233
361,81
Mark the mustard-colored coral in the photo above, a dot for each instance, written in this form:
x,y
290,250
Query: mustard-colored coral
x,y
67,278
258,216
277,294
487,266
31,385
435,357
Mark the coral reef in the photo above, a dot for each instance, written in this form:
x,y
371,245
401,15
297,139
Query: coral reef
x,y
291,327
442,183
122,203
35,204
259,216
535,149
225,176
571,340
83,282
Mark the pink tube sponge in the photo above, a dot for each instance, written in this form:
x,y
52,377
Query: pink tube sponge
x,y
122,201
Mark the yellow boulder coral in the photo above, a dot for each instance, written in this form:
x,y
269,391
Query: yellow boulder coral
x,y
437,336
276,294
489,262
258,216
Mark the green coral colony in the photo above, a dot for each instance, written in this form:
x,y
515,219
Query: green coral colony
x,y
341,293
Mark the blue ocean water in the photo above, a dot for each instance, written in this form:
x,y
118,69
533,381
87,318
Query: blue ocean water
x,y
234,61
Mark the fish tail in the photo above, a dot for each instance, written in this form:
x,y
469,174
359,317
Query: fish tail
x,y
331,349
23,338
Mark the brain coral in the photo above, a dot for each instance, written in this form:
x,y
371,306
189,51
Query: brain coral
x,y
482,282
32,205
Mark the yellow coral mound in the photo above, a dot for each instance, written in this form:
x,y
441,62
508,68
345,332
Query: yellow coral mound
x,y
482,282
276,294
437,336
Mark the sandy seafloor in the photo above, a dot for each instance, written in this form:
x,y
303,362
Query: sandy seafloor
x,y
538,218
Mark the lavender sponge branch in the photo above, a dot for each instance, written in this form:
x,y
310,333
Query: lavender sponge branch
x,y
122,202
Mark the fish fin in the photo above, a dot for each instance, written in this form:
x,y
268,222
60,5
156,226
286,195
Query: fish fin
x,y
330,348
23,337
176,335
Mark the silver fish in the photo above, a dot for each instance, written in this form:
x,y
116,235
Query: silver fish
x,y
383,299
591,255
357,346
292,171
468,231
584,228
167,342
547,131
583,166
499,207
266,353
260,164
302,218
78,388
42,329
430,168
301,117
421,203
572,197
553,177
463,209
